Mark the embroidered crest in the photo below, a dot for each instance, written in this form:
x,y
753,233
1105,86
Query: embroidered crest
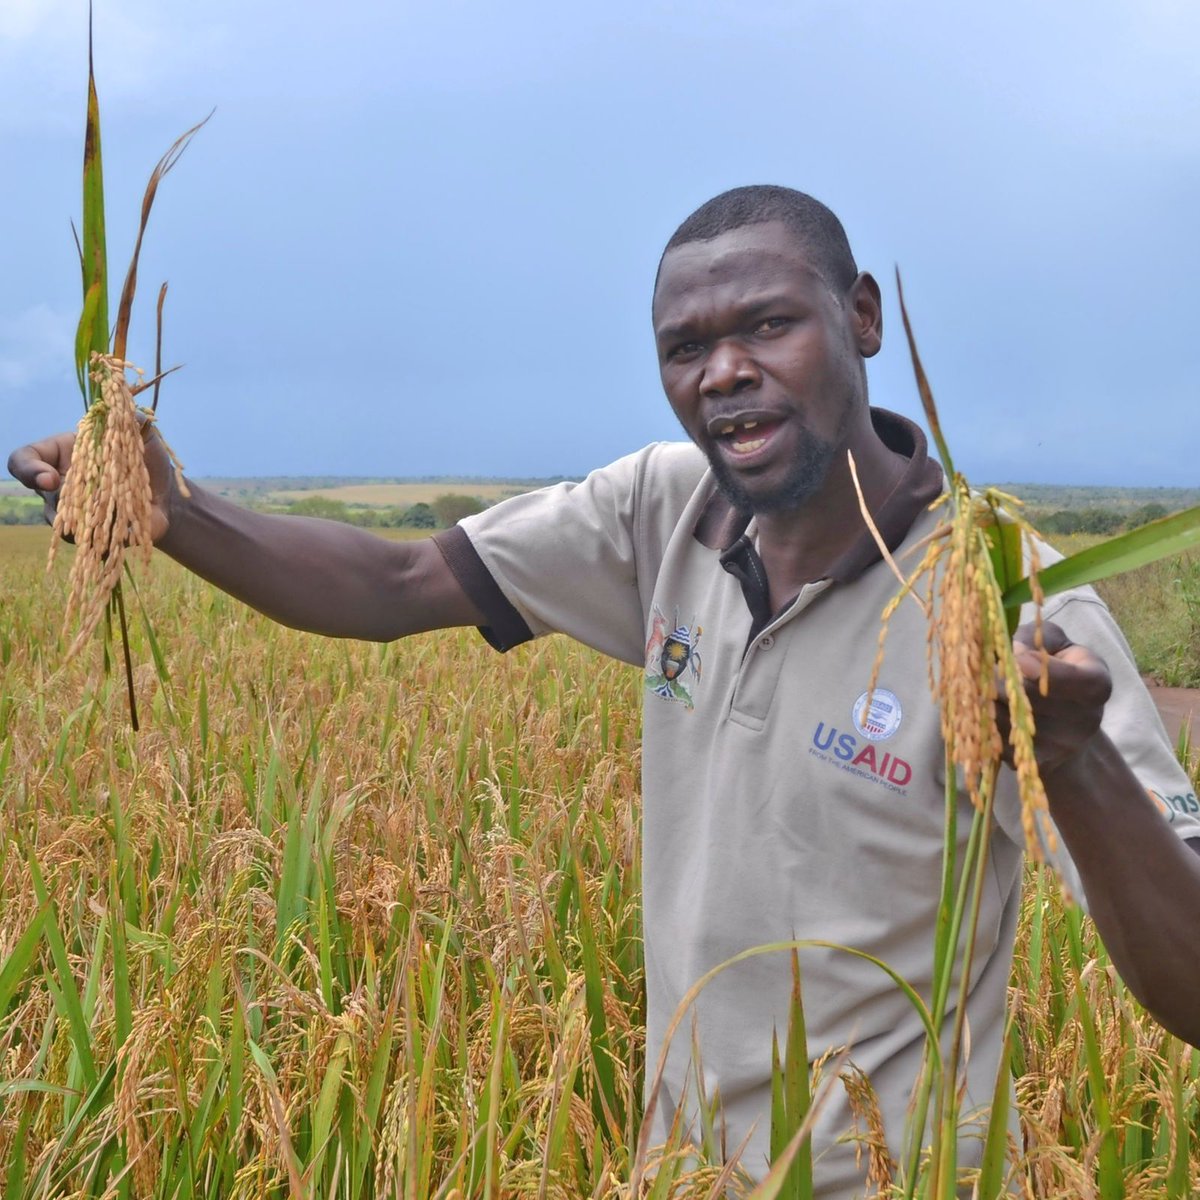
x,y
671,657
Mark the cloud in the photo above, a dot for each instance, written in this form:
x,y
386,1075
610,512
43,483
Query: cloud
x,y
21,20
35,345
141,49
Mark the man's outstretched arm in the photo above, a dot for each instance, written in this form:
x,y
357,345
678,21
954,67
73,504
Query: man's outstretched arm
x,y
321,576
1141,880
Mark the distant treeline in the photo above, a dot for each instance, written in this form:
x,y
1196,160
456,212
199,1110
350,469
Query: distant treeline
x,y
448,509
264,485
17,510
1094,519
1054,497
440,513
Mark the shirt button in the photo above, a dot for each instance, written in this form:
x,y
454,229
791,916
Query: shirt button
x,y
767,641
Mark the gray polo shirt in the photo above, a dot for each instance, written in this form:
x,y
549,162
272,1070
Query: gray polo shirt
x,y
775,803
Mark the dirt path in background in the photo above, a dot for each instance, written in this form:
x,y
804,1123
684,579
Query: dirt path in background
x,y
1176,705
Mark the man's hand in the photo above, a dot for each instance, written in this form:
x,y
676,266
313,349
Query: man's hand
x,y
42,467
1068,717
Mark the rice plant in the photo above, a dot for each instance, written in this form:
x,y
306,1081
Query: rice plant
x,y
105,505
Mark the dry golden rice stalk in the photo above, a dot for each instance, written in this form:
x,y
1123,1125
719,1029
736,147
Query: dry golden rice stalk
x,y
869,1132
139,1088
105,502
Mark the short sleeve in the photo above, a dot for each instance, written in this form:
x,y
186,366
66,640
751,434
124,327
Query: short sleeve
x,y
1130,720
576,558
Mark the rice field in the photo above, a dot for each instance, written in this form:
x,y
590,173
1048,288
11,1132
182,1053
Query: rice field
x,y
348,920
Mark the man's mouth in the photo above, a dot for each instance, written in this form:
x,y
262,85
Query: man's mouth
x,y
744,437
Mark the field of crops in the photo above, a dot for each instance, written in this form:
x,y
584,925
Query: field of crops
x,y
350,920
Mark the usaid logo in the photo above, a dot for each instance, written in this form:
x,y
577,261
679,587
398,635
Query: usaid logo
x,y
874,722
879,719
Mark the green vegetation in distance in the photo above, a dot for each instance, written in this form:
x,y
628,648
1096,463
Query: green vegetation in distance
x,y
382,503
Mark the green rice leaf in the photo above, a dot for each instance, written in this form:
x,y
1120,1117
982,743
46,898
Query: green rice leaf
x,y
381,1065
279,1113
331,1090
91,989
17,964
14,1168
93,252
71,1003
18,1087
1110,1176
1003,536
84,336
156,653
121,988
797,1096
779,1138
1177,1181
1137,548
92,1104
772,1185
606,1095
995,1144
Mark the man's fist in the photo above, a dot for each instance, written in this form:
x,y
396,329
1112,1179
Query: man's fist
x,y
42,466
1068,716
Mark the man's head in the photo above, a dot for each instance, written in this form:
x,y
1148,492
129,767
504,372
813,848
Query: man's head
x,y
762,323
813,225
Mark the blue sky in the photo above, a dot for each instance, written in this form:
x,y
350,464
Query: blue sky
x,y
420,239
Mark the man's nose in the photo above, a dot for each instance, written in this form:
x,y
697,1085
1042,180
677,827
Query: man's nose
x,y
729,369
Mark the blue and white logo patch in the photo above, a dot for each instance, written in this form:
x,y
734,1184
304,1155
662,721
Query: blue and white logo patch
x,y
882,719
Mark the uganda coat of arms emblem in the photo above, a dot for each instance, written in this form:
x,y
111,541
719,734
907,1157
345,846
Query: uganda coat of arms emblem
x,y
672,657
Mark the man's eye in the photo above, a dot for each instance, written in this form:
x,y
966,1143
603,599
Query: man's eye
x,y
684,350
772,324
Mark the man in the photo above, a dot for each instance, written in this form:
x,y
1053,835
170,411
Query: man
x,y
779,801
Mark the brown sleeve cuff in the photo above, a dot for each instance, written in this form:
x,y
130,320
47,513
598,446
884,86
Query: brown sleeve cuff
x,y
505,626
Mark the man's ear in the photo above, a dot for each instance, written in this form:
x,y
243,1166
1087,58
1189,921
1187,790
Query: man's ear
x,y
866,309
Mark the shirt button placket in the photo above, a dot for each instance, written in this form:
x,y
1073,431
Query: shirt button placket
x,y
757,681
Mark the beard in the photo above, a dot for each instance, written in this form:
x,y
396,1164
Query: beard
x,y
803,480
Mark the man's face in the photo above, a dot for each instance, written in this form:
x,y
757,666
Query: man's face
x,y
762,361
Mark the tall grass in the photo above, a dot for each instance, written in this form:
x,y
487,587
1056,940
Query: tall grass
x,y
351,920
1163,603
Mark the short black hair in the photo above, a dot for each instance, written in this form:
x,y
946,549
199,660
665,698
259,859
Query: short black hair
x,y
809,220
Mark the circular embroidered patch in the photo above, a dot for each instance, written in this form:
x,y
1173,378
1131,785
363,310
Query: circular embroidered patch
x,y
882,720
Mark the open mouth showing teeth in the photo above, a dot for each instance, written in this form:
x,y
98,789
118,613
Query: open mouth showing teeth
x,y
744,437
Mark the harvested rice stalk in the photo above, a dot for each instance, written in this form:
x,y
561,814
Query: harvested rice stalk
x,y
959,584
970,560
105,503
